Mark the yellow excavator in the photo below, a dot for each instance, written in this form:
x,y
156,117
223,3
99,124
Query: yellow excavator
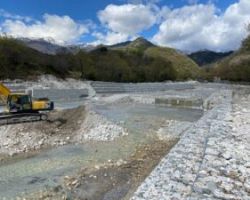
x,y
22,107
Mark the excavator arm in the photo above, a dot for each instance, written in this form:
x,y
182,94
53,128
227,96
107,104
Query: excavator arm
x,y
4,93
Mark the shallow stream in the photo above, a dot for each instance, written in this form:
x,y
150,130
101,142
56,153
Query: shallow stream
x,y
49,167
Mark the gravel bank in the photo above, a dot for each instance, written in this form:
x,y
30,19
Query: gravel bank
x,y
76,125
98,128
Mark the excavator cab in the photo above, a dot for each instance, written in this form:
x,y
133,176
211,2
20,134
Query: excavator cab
x,y
18,103
23,103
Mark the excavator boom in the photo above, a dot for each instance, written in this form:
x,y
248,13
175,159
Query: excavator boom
x,y
4,91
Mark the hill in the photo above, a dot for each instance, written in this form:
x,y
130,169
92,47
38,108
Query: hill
x,y
183,67
237,66
19,61
179,65
207,57
135,61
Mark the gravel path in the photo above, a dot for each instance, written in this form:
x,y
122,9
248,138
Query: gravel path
x,y
211,161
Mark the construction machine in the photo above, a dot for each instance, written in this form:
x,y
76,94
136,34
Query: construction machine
x,y
22,107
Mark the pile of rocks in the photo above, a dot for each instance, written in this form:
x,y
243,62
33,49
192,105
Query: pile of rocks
x,y
16,139
67,126
98,128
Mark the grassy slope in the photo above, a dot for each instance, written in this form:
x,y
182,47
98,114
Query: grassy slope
x,y
237,66
185,67
182,66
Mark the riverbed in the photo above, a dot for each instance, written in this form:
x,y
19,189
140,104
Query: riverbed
x,y
49,167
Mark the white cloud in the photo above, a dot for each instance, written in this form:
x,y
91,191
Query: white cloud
x,y
109,38
201,26
192,27
61,29
8,15
143,1
129,19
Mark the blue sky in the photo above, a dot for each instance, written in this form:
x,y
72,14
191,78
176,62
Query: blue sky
x,y
80,9
165,22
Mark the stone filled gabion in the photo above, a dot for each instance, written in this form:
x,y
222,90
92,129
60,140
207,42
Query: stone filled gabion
x,y
211,160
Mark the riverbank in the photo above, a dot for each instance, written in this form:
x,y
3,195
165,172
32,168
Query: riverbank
x,y
210,161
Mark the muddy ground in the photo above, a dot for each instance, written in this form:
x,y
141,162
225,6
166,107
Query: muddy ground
x,y
110,181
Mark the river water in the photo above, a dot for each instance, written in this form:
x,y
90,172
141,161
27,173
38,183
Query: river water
x,y
48,168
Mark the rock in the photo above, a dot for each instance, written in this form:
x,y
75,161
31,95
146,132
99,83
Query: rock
x,y
247,165
187,179
41,142
75,182
97,167
227,156
244,110
119,162
227,187
242,179
203,174
233,174
247,187
5,144
220,195
12,154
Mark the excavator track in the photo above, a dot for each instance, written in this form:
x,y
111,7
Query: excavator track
x,y
11,118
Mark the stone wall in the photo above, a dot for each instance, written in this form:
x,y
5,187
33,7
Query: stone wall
x,y
207,163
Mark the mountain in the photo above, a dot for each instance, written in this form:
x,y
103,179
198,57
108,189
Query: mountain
x,y
44,46
142,61
182,66
49,47
135,61
140,42
207,57
137,43
236,67
119,45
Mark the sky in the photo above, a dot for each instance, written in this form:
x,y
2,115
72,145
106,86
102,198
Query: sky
x,y
187,25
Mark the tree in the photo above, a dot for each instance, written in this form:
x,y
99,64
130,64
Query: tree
x,y
84,63
248,28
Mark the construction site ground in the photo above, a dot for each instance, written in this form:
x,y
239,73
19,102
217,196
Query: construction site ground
x,y
109,141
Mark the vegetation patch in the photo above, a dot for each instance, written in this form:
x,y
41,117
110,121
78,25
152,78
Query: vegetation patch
x,y
138,61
